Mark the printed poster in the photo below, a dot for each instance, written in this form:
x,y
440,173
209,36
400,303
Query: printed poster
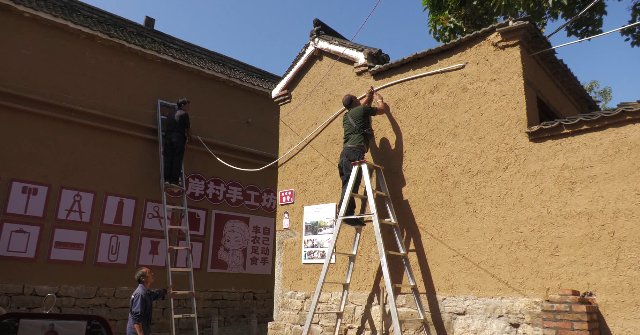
x,y
317,234
113,249
118,211
152,251
241,243
182,256
19,240
68,245
75,205
26,198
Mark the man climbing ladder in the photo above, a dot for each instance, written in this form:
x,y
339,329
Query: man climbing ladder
x,y
356,123
177,133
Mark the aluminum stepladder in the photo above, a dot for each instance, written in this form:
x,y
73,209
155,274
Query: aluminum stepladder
x,y
392,223
180,228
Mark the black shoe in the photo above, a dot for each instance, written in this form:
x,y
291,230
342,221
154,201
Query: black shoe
x,y
355,222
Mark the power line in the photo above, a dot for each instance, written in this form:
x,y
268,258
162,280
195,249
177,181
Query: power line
x,y
573,18
587,38
326,122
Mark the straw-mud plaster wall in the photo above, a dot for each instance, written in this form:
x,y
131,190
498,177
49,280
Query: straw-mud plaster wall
x,y
79,111
489,213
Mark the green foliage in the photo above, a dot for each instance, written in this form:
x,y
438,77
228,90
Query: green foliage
x,y
603,96
450,19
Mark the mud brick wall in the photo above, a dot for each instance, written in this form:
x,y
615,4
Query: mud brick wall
x,y
233,308
459,315
569,314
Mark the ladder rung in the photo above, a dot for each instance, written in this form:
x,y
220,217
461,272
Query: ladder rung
x,y
389,222
361,216
358,195
395,253
174,207
380,193
329,312
336,282
175,247
178,227
180,269
368,163
182,292
184,316
348,254
413,320
404,285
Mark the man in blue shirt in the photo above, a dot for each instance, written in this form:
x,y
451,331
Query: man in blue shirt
x,y
141,304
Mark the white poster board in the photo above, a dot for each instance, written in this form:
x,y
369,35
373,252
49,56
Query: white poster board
x,y
317,232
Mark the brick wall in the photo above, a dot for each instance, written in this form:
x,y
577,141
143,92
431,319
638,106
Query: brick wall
x,y
233,308
569,314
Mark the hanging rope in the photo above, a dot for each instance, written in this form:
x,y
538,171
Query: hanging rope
x,y
323,124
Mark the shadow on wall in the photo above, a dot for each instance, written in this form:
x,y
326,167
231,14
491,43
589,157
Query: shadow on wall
x,y
604,327
392,159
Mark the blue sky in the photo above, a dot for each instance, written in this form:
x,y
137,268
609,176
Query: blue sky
x,y
269,34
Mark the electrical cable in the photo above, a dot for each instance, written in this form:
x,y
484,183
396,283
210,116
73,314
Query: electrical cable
x,y
587,38
573,18
323,124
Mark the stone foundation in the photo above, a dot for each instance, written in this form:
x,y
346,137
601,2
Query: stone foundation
x,y
457,315
233,308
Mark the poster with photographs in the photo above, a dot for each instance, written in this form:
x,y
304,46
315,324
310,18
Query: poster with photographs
x,y
319,221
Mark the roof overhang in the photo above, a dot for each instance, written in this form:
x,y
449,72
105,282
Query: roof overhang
x,y
315,45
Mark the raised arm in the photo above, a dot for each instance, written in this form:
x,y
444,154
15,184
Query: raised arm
x,y
381,106
367,98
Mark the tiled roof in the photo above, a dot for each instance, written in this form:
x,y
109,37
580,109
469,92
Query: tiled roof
x,y
127,31
624,112
322,31
535,40
450,45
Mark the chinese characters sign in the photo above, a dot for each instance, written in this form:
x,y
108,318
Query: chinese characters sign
x,y
233,193
286,197
241,243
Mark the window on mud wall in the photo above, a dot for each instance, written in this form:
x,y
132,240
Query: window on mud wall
x,y
545,113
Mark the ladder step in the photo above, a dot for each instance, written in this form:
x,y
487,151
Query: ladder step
x,y
348,254
184,316
389,222
178,227
182,292
180,269
380,193
413,320
361,216
358,195
175,247
395,253
404,285
174,207
336,282
368,163
329,312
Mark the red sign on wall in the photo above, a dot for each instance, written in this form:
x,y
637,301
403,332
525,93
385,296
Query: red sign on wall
x,y
286,197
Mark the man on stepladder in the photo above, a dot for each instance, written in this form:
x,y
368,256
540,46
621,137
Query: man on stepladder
x,y
177,134
357,134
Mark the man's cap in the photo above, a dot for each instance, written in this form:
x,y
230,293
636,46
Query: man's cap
x,y
182,101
